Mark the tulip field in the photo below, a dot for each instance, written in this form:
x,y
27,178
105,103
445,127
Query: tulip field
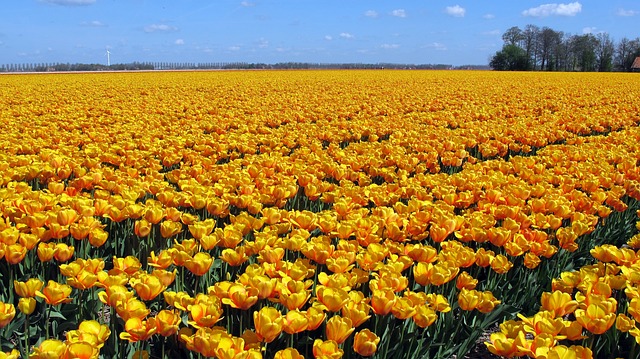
x,y
319,214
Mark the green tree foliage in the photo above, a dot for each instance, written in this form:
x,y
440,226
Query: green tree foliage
x,y
510,58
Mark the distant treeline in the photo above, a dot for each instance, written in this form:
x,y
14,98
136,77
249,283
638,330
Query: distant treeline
x,y
545,49
56,67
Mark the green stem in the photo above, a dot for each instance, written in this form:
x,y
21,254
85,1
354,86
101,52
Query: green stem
x,y
26,337
46,325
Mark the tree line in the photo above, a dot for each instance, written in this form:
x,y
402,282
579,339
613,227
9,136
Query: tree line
x,y
545,49
57,67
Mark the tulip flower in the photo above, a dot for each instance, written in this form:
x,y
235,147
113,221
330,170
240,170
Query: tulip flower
x,y
100,331
365,343
167,322
50,348
27,305
326,349
13,354
268,322
596,318
288,353
29,288
199,264
241,297
295,321
147,286
316,316
46,251
63,252
55,293
559,303
15,253
339,328
333,298
137,329
7,313
205,312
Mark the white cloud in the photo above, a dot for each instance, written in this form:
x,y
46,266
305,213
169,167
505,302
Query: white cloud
x,y
371,14
399,13
571,9
626,13
94,23
328,37
234,48
488,16
389,46
492,33
179,42
437,46
160,28
70,2
247,4
346,35
263,44
455,11
591,30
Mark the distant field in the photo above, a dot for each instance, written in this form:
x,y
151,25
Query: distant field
x,y
248,214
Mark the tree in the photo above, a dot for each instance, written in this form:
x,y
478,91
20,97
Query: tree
x,y
512,36
547,41
530,42
626,51
604,52
510,58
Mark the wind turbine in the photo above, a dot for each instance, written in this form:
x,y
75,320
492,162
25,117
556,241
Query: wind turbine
x,y
108,57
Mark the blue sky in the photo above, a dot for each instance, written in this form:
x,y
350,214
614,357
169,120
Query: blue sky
x,y
453,32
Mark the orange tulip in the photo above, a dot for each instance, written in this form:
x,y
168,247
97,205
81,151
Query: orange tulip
x,y
205,312
15,253
365,343
288,353
147,286
165,277
50,348
180,300
268,323
27,305
115,295
382,301
162,261
46,251
7,313
170,228
132,308
81,350
240,296
100,331
339,328
333,298
295,322
13,354
316,316
357,311
559,303
137,329
55,293
29,288
167,322
326,349
63,252
199,264
596,318
128,265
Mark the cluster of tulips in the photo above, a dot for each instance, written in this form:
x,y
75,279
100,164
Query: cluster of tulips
x,y
298,214
597,305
